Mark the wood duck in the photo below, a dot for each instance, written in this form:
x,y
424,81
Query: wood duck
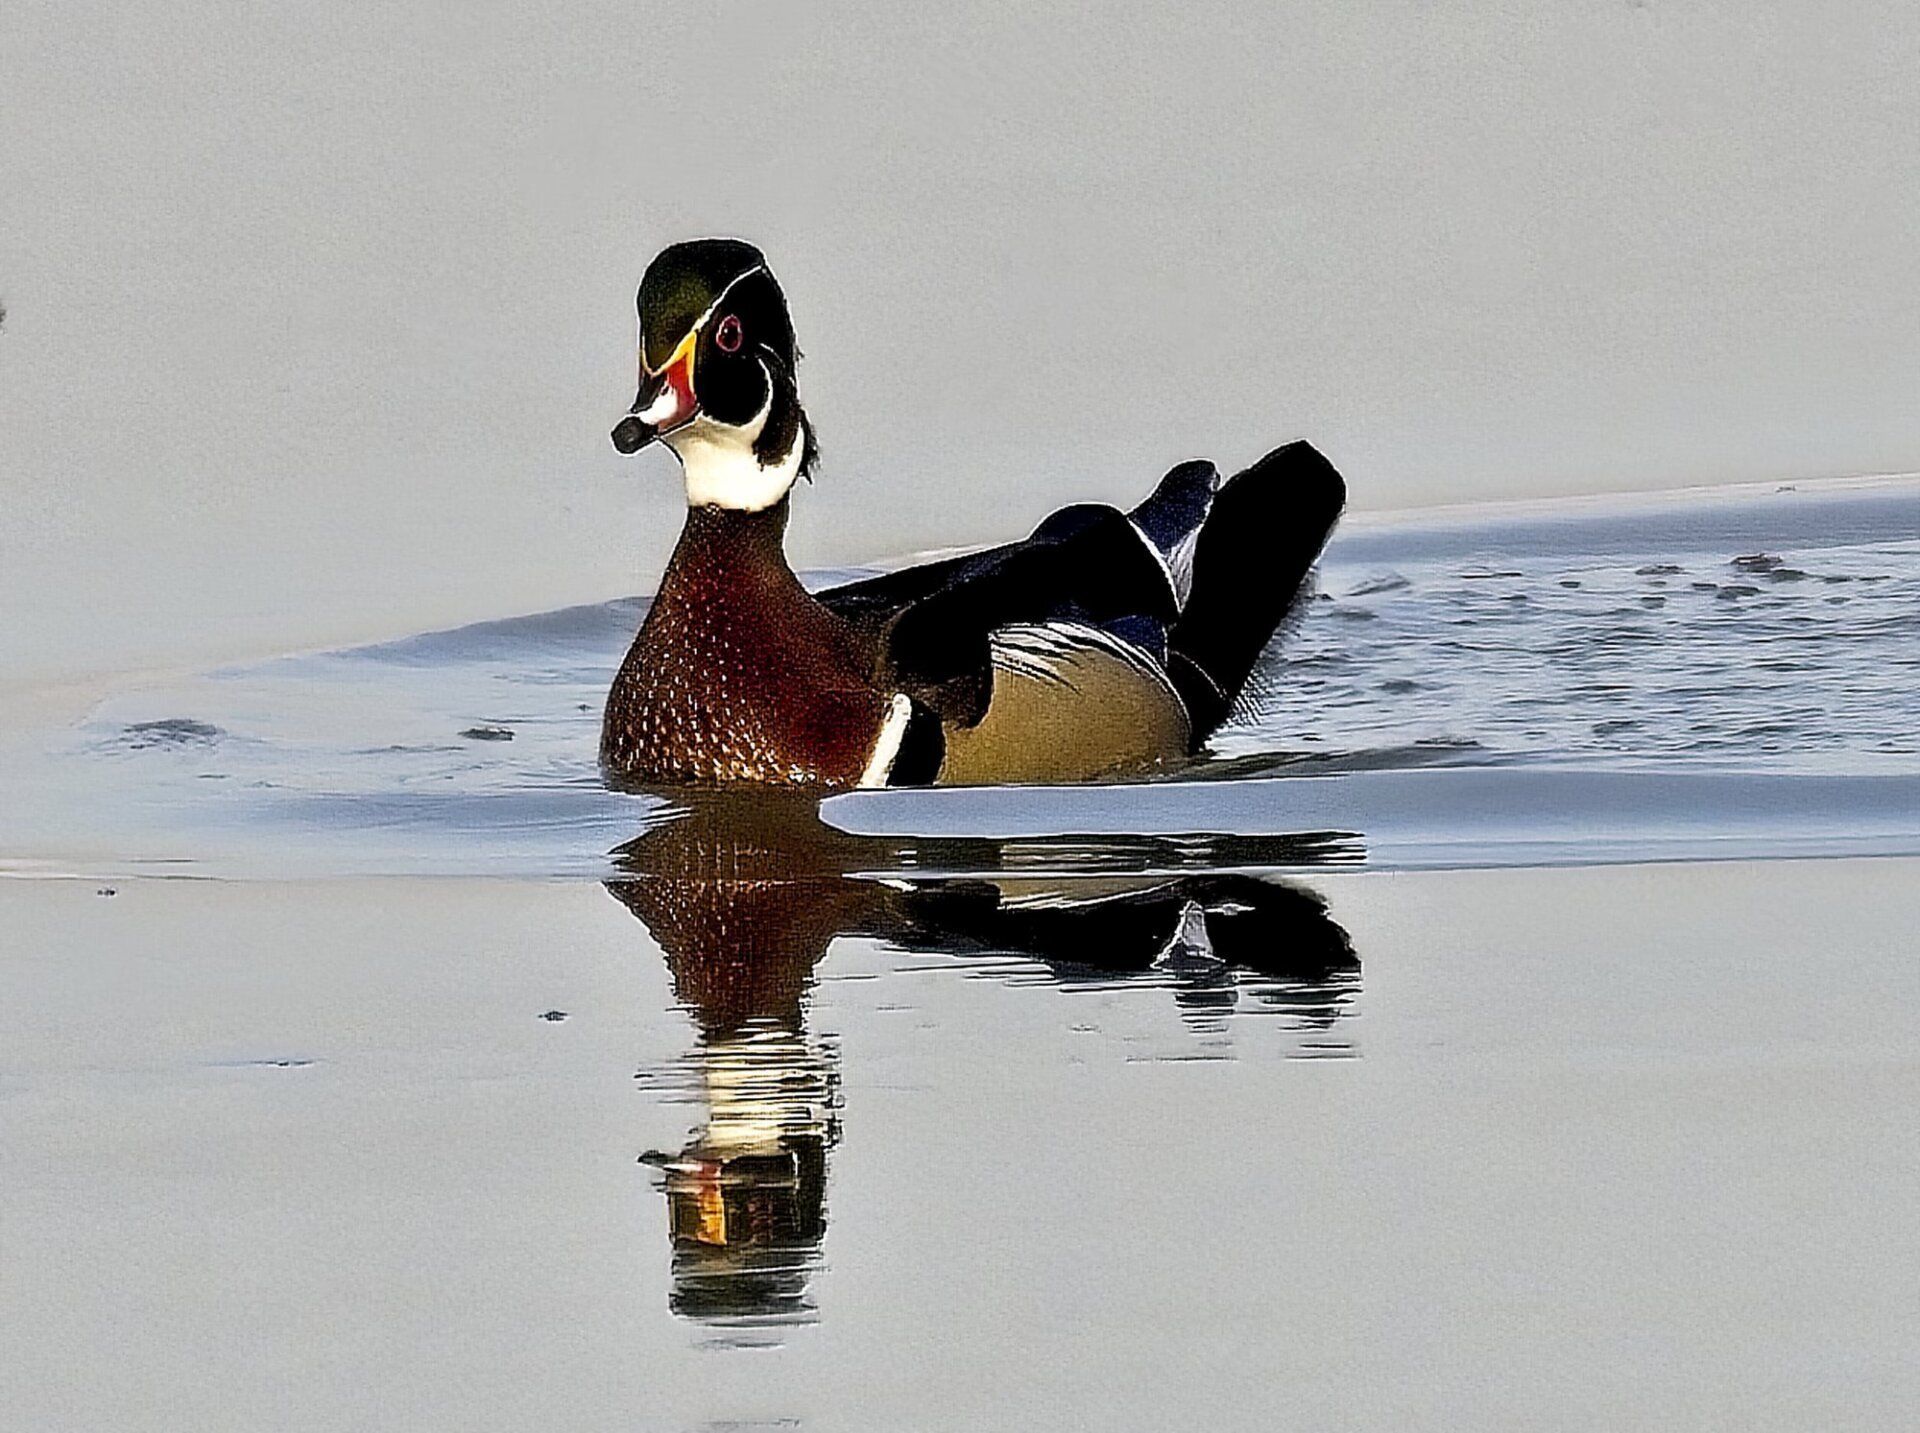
x,y
1105,644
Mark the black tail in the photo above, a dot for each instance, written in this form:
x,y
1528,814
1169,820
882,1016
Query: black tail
x,y
1262,535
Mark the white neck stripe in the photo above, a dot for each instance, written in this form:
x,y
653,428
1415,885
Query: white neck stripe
x,y
723,471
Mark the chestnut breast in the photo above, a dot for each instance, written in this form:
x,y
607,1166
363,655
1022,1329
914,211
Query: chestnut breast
x,y
738,674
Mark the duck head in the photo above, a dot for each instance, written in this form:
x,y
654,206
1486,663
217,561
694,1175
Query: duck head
x,y
716,376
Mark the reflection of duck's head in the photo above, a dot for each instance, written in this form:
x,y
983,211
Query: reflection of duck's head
x,y
744,894
742,915
746,1196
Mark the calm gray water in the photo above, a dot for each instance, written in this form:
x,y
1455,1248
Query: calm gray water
x,y
1199,1101
1620,1147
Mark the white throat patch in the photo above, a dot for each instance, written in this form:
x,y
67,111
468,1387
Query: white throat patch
x,y
723,471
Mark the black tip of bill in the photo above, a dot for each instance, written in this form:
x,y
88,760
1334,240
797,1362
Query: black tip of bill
x,y
630,435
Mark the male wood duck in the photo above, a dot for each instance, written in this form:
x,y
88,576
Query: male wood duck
x,y
1105,644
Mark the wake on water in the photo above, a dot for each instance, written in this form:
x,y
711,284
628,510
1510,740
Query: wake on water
x,y
1694,676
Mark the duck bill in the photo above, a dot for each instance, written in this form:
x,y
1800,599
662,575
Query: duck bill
x,y
664,403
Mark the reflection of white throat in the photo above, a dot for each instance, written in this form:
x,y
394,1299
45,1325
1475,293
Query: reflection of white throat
x,y
723,471
766,1084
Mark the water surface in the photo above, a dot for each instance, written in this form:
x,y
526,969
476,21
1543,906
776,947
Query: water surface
x,y
365,1055
1708,674
1601,1148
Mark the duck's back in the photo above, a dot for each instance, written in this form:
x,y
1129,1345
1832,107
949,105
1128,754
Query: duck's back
x,y
1106,642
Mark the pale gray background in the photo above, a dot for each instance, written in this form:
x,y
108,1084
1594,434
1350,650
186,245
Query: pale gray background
x,y
319,315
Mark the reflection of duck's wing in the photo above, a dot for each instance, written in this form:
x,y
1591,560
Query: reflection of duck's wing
x,y
1273,927
744,896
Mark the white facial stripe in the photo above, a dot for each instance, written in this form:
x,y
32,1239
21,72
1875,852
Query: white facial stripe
x,y
700,322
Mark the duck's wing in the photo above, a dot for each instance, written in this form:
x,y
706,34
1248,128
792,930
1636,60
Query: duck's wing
x,y
1058,568
1171,603
1168,521
1085,576
1251,559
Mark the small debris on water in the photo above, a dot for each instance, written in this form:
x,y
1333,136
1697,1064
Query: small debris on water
x,y
106,891
486,731
169,732
1384,582
554,1015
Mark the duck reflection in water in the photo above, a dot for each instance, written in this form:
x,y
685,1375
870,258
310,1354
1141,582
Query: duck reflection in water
x,y
745,892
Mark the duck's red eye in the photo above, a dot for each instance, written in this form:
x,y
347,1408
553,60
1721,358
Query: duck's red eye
x,y
728,336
